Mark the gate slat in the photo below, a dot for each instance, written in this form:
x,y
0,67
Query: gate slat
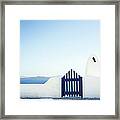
x,y
76,85
66,88
71,87
71,73
63,86
81,87
69,82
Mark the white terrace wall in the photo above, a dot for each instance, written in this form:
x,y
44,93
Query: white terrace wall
x,y
52,88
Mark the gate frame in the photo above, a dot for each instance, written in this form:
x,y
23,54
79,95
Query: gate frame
x,y
71,85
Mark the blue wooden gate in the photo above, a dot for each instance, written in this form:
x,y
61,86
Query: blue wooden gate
x,y
72,85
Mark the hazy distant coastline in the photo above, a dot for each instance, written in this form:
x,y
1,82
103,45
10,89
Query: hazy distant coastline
x,y
33,80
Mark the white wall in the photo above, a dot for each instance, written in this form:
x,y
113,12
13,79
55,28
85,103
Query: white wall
x,y
52,88
91,87
92,78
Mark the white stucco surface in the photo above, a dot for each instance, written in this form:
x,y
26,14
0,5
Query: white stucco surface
x,y
93,68
52,88
92,87
92,78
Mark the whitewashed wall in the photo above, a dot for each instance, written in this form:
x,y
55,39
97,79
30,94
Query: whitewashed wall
x,y
52,88
92,78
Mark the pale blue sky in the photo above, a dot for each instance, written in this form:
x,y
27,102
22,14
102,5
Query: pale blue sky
x,y
53,47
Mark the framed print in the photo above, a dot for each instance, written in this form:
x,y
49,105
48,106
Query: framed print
x,y
59,59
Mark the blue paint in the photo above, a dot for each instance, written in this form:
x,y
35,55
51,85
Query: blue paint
x,y
69,79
